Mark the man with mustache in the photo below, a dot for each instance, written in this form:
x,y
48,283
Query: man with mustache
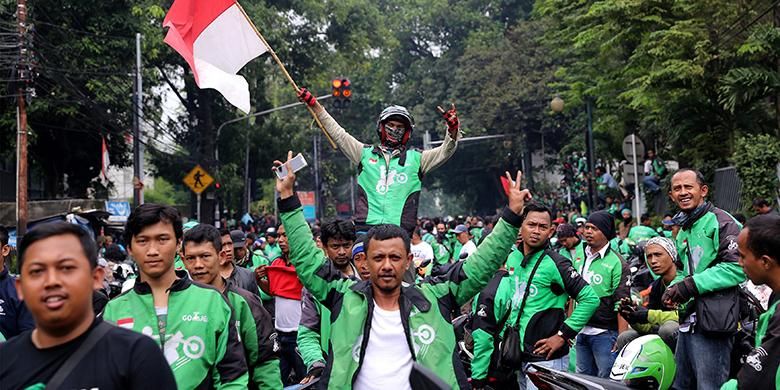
x,y
202,253
707,243
58,264
543,279
379,327
337,239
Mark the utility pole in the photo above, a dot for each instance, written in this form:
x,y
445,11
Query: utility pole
x,y
590,151
317,184
21,123
138,152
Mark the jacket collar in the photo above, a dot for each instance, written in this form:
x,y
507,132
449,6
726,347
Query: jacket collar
x,y
393,153
179,284
408,293
527,258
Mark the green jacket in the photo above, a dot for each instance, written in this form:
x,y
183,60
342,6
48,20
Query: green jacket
x,y
313,332
272,252
440,252
425,309
200,339
608,277
579,250
258,259
762,367
258,337
707,247
657,313
498,305
389,192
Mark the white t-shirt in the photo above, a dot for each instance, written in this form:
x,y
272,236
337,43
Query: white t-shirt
x,y
288,314
588,275
468,248
388,361
421,252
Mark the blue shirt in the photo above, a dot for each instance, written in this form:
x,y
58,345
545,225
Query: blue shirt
x,y
14,316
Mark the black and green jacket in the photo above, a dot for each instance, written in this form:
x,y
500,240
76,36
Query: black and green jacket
x,y
609,280
425,309
707,246
200,339
258,336
762,366
498,305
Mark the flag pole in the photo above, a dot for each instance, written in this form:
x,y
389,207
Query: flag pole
x,y
286,74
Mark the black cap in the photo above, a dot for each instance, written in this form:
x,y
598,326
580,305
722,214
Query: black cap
x,y
604,222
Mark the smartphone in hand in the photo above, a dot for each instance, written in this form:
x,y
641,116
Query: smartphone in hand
x,y
297,163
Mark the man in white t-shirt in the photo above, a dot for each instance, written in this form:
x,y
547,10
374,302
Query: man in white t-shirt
x,y
421,251
381,328
463,235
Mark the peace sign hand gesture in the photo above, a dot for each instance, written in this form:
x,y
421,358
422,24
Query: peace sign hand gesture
x,y
517,195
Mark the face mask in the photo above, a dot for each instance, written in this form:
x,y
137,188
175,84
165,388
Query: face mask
x,y
394,135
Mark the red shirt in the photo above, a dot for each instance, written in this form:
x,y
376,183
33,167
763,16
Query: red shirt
x,y
283,281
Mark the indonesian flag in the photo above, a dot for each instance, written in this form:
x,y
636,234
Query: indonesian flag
x,y
216,39
104,162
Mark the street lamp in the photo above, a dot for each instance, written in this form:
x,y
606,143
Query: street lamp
x,y
557,104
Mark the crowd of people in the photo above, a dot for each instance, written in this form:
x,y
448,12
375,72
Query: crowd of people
x,y
369,303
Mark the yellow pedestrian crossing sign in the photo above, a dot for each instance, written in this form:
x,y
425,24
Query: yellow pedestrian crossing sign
x,y
198,179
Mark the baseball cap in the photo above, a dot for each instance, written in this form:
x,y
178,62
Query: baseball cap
x,y
271,231
239,238
581,221
460,229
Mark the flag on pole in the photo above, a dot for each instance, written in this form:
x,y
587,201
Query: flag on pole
x,y
216,39
104,162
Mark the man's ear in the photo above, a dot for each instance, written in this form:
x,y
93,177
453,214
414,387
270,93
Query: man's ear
x,y
18,285
769,262
222,257
409,260
97,277
4,251
704,190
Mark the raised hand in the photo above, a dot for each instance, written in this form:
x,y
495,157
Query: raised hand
x,y
517,195
286,186
451,117
305,96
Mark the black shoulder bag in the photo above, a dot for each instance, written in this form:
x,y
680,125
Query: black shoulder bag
x,y
511,354
67,368
717,313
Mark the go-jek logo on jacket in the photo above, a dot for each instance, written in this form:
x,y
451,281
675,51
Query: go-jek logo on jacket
x,y
195,317
192,348
388,179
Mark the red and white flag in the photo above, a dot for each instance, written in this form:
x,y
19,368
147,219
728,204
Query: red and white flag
x,y
104,162
217,40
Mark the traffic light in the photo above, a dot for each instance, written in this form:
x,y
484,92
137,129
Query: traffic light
x,y
341,90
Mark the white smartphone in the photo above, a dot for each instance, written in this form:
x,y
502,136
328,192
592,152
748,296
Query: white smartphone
x,y
297,163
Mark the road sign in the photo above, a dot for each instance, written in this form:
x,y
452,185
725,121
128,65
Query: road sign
x,y
634,151
198,179
628,149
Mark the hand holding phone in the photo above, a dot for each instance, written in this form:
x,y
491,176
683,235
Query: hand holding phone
x,y
296,163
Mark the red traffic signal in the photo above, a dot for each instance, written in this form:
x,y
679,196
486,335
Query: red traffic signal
x,y
342,92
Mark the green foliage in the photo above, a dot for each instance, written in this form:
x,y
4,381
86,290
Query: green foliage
x,y
756,158
165,193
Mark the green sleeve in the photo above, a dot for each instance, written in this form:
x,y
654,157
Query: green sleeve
x,y
480,266
268,376
440,253
587,303
489,308
730,385
726,272
309,346
483,350
316,273
719,277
